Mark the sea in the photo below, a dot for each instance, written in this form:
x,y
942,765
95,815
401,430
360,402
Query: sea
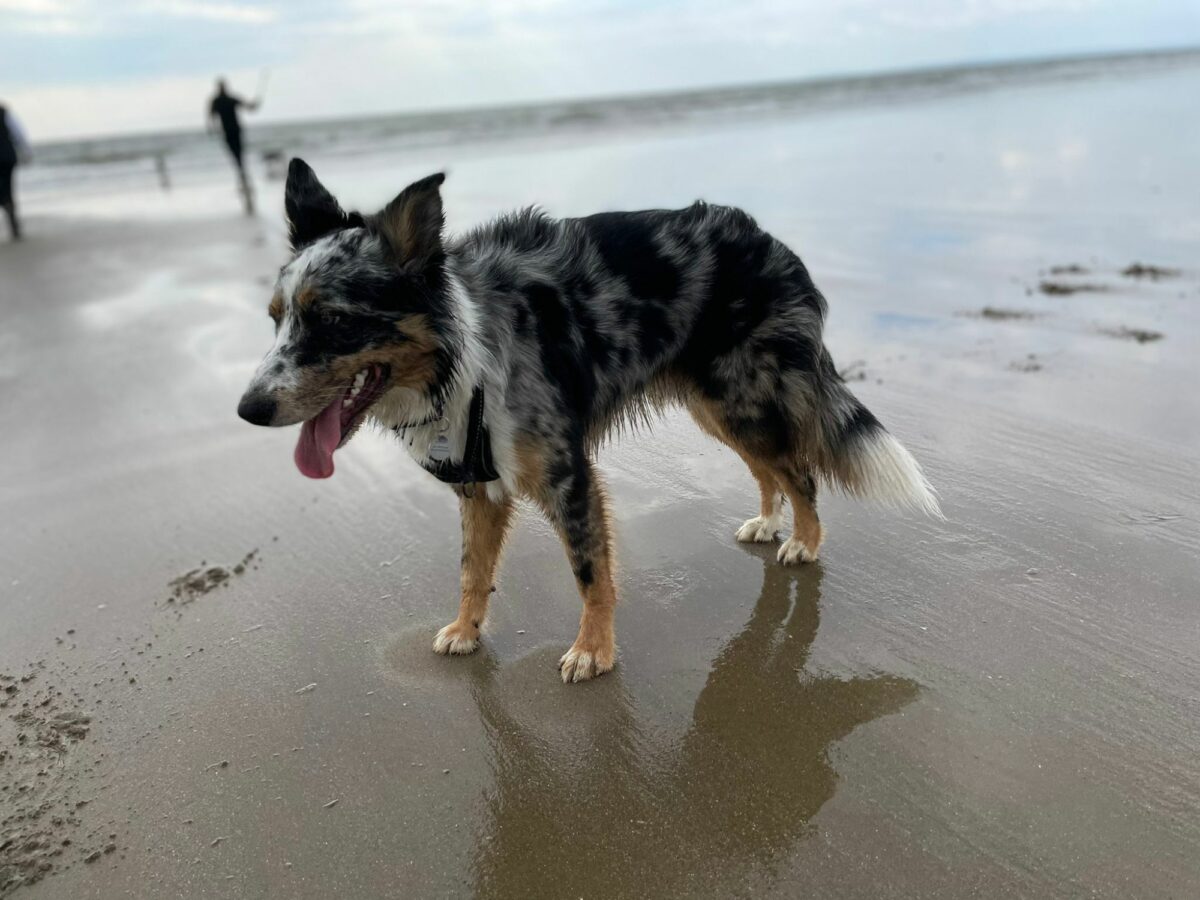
x,y
135,162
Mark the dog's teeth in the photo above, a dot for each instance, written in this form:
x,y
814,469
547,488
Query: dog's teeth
x,y
359,380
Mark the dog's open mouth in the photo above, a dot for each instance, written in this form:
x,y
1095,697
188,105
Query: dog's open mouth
x,y
335,424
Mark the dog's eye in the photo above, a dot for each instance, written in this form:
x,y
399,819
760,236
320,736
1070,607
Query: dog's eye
x,y
328,318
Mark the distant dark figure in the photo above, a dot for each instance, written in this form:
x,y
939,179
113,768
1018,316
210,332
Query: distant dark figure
x,y
276,162
160,166
224,107
14,149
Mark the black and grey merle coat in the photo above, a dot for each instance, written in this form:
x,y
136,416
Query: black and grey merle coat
x,y
504,357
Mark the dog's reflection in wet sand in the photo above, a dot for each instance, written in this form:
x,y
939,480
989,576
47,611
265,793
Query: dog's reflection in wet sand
x,y
621,813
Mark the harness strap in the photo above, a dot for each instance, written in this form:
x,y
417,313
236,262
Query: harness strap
x,y
477,464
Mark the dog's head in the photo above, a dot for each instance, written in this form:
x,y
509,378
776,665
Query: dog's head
x,y
360,311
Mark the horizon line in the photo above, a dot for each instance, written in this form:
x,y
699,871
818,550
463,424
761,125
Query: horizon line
x,y
1017,62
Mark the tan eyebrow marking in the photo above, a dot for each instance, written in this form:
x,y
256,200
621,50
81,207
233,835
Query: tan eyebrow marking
x,y
276,307
306,298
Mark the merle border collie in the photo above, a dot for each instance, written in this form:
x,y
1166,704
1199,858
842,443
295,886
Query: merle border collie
x,y
503,357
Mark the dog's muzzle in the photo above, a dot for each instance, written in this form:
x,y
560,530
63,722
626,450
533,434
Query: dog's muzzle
x,y
257,407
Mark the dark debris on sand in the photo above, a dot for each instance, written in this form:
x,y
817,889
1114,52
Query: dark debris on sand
x,y
1141,335
856,371
1065,288
200,581
1154,273
49,757
1030,363
996,314
40,726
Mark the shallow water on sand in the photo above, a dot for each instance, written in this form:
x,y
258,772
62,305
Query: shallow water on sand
x,y
1004,703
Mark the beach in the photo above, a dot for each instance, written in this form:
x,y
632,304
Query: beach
x,y
1000,704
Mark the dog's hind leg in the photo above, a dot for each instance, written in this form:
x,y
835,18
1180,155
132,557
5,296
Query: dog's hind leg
x,y
484,526
807,533
800,487
768,447
761,529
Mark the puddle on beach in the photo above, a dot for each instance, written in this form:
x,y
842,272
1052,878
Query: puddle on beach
x,y
593,800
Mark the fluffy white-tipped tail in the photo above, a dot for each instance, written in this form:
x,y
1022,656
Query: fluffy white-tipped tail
x,y
861,458
874,465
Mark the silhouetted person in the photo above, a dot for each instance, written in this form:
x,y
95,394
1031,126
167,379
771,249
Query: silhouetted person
x,y
14,149
224,108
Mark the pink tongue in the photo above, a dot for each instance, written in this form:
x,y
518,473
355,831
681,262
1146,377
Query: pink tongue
x,y
319,437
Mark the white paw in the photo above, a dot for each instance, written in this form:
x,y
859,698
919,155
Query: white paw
x,y
793,551
453,639
579,665
759,530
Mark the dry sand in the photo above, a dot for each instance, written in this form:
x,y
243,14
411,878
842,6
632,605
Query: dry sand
x,y
1001,704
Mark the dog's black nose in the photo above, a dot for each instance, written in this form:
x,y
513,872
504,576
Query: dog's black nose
x,y
257,409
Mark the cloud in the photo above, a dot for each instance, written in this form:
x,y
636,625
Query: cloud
x,y
35,7
216,12
953,14
115,16
61,17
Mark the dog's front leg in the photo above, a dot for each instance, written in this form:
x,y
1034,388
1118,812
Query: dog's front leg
x,y
578,509
484,527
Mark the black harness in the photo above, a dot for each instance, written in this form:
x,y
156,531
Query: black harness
x,y
477,464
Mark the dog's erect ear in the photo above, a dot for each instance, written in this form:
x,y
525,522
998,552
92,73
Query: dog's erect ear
x,y
412,223
311,210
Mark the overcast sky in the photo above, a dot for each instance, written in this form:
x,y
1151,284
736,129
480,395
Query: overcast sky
x,y
73,67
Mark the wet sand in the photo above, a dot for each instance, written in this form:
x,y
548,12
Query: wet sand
x,y
1001,704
